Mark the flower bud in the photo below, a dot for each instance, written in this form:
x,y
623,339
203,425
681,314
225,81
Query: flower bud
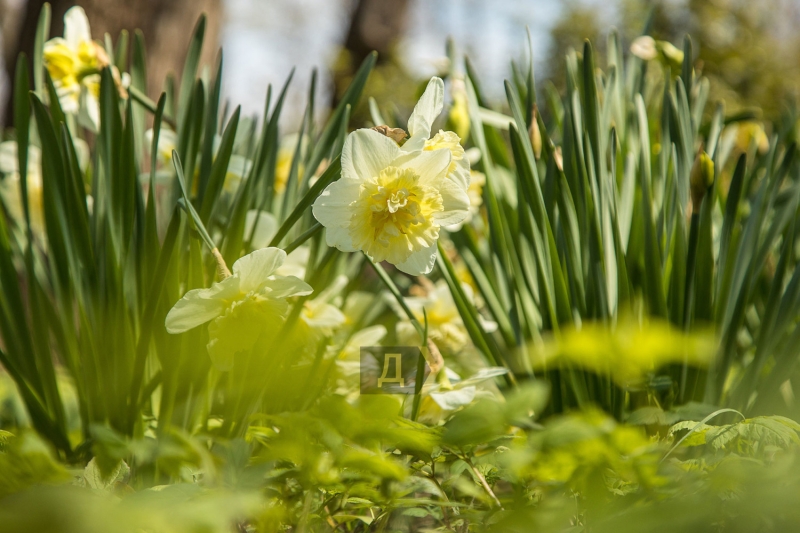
x,y
559,158
700,179
458,116
222,269
536,135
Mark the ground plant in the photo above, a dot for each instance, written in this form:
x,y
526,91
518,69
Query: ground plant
x,y
599,288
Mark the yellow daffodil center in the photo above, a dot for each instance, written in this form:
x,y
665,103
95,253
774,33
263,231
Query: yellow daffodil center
x,y
68,67
283,168
393,216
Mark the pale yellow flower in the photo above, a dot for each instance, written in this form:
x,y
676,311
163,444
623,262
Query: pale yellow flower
x,y
320,313
440,401
74,64
241,308
263,226
167,142
391,202
445,326
238,166
10,188
459,112
283,165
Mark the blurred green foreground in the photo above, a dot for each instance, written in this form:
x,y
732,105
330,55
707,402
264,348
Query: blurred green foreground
x,y
610,334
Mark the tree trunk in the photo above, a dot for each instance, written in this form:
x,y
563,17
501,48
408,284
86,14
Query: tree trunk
x,y
167,26
375,25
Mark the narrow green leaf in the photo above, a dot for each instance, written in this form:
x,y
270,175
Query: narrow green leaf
x,y
42,35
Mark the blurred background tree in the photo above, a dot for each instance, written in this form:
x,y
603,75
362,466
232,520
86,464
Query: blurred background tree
x,y
750,51
579,21
375,25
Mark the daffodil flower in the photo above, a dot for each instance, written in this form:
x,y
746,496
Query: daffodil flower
x,y
10,188
445,326
242,308
320,314
263,226
238,170
391,203
459,112
167,142
283,164
238,166
440,401
74,64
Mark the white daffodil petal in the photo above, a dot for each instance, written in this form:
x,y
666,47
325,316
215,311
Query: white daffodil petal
x,y
369,336
431,166
339,238
286,286
420,262
333,289
324,316
460,173
89,110
453,399
331,208
239,166
253,269
265,227
455,202
414,144
81,150
295,264
197,307
76,27
427,109
8,157
366,153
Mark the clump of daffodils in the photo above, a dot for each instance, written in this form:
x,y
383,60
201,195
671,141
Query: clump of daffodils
x,y
248,306
392,200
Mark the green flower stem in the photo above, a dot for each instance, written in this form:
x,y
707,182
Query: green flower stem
x,y
331,173
399,297
469,315
142,99
222,269
310,232
187,203
697,426
482,480
423,333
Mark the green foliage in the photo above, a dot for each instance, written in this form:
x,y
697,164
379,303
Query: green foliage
x,y
607,223
627,283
